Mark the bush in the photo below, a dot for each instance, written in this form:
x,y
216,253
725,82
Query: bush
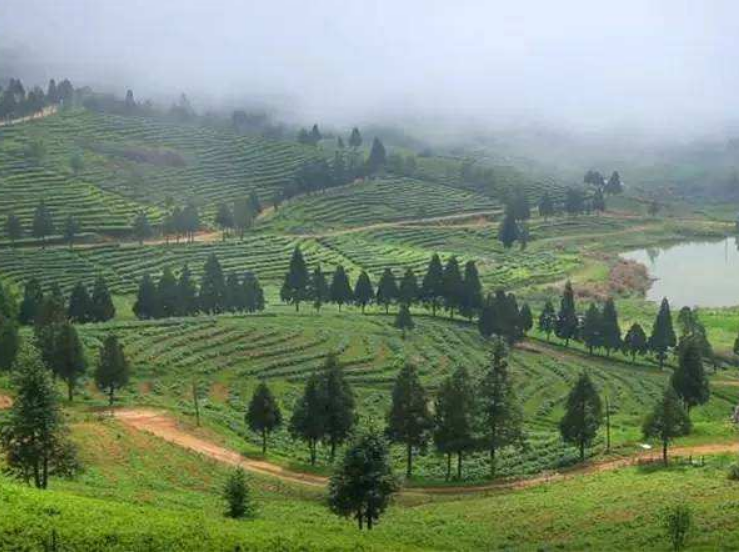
x,y
237,496
678,520
733,471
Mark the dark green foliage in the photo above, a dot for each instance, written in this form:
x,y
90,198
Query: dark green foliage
x,y
43,222
235,298
453,289
594,178
319,291
526,319
610,329
547,319
546,206
8,305
13,228
583,415
141,227
190,220
678,521
224,218
237,495
70,363
363,291
471,298
243,216
689,378
253,293
308,422
363,485
9,342
508,230
502,413
355,139
187,293
146,306
667,421
455,418
599,202
409,291
404,320
80,304
520,206
614,186
432,288
339,404
635,342
409,421
377,157
340,291
592,325
264,415
212,296
663,334
736,346
387,289
33,297
71,229
34,435
101,302
296,285
254,204
574,201
567,322
112,371
487,323
166,303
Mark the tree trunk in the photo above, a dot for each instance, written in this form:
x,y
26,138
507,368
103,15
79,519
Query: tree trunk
x,y
359,518
664,452
369,522
264,442
297,306
333,449
448,466
312,447
387,309
409,463
45,473
459,465
582,451
492,462
70,390
111,398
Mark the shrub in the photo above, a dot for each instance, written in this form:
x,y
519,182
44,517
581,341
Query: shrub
x,y
733,471
678,521
237,496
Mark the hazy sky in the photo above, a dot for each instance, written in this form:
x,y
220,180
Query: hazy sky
x,y
661,65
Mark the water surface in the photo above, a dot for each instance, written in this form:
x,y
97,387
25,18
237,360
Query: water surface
x,y
696,274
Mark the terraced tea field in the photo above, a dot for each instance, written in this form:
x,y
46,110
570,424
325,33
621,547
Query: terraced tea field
x,y
133,162
227,355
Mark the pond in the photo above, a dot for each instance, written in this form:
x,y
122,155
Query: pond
x,y
696,274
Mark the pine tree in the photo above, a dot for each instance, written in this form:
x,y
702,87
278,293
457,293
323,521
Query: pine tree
x,y
355,139
362,486
363,291
387,289
295,288
452,286
319,292
147,299
212,297
502,412
635,342
71,229
583,415
689,378
663,334
224,219
8,305
264,415
432,288
80,304
339,404
471,297
610,328
243,216
237,495
43,223
167,296
141,227
33,297
526,319
409,421
254,204
567,321
253,293
190,220
101,304
592,329
187,293
409,291
488,322
454,418
548,319
614,186
34,436
112,371
667,421
377,157
308,421
70,362
340,291
599,202
9,342
546,206
235,294
404,320
508,230
315,135
13,228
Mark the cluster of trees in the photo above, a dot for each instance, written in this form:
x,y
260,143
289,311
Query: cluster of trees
x,y
501,316
600,329
16,101
42,226
82,307
443,286
239,218
180,296
612,186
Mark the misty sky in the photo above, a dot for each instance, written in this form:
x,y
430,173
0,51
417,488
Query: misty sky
x,y
657,65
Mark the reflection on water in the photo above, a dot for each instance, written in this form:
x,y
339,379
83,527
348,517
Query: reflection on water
x,y
703,274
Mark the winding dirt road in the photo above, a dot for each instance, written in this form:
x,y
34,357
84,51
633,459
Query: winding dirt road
x,y
167,428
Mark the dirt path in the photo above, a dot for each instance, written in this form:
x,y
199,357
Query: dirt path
x,y
49,110
165,427
6,402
